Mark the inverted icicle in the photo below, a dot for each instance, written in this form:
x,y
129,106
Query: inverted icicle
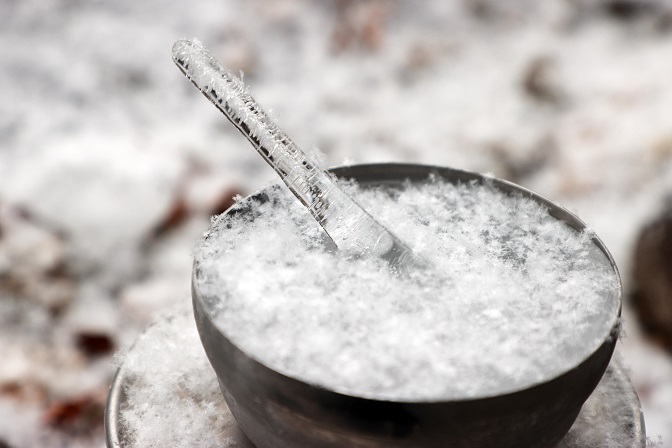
x,y
350,227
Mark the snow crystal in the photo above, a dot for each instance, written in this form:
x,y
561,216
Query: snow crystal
x,y
514,296
171,398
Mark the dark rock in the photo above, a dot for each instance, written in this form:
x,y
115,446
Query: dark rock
x,y
631,9
94,344
176,215
75,415
652,270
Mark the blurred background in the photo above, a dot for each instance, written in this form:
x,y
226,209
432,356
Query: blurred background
x,y
111,163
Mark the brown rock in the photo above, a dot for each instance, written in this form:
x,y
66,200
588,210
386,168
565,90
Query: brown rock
x,y
225,200
652,297
176,215
24,391
78,414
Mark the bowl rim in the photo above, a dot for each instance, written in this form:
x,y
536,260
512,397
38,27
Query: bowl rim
x,y
111,421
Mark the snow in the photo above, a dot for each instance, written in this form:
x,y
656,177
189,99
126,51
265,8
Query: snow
x,y
511,296
172,396
92,85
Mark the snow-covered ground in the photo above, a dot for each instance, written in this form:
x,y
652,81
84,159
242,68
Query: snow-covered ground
x,y
111,163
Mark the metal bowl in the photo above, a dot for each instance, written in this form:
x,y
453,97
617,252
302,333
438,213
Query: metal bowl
x,y
276,410
612,416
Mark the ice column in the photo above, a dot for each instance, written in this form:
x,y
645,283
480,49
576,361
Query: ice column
x,y
346,222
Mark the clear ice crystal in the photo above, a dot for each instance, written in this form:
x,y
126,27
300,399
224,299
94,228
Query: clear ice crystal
x,y
351,227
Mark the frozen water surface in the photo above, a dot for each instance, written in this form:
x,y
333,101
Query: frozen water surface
x,y
514,296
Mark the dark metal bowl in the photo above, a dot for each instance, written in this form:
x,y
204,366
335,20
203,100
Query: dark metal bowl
x,y
276,410
612,415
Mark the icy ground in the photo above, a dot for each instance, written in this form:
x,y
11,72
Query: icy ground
x,y
111,163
